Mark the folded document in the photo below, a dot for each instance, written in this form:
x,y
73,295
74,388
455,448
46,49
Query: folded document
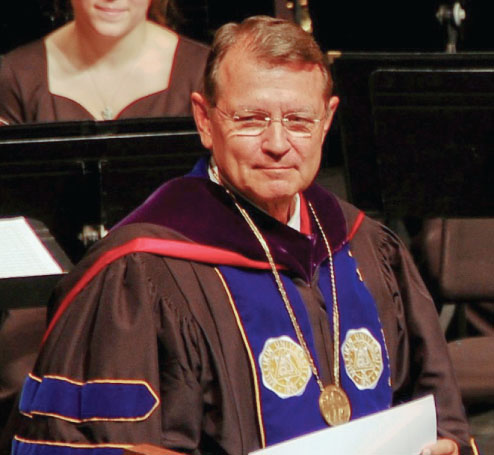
x,y
402,430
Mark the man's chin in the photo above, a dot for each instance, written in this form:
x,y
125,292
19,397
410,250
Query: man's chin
x,y
274,193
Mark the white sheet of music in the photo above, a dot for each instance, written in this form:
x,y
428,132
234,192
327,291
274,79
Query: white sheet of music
x,y
21,251
402,430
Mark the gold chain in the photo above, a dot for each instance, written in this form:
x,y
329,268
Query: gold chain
x,y
284,296
336,314
281,289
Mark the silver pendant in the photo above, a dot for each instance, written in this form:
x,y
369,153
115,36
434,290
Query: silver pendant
x,y
107,113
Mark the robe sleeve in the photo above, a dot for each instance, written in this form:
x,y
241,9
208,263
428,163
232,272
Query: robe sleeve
x,y
125,364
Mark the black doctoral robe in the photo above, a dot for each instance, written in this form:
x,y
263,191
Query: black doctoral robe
x,y
143,307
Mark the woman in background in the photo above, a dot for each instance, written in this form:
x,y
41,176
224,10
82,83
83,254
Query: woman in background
x,y
115,59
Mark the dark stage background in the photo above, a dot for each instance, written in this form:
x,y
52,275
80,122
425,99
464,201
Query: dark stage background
x,y
358,25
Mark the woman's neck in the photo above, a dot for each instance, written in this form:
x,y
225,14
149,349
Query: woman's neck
x,y
95,49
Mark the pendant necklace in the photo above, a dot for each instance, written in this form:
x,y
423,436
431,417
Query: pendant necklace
x,y
108,113
334,404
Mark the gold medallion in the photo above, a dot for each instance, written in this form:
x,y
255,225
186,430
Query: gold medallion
x,y
287,366
334,405
284,366
363,358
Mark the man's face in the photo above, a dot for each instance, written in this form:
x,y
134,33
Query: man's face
x,y
271,168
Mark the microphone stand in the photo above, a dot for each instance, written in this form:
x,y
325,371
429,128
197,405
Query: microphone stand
x,y
452,16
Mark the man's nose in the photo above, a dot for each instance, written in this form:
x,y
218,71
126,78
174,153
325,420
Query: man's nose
x,y
275,137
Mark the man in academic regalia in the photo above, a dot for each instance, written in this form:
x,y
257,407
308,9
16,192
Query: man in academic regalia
x,y
241,305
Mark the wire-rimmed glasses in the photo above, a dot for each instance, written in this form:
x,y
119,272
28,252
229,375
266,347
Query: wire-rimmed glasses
x,y
255,122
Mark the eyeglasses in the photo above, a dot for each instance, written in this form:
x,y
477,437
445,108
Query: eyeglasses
x,y
254,123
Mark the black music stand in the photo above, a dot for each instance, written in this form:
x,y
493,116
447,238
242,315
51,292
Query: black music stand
x,y
78,175
435,147
354,80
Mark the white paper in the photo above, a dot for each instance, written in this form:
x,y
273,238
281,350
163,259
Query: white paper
x,y
402,430
21,251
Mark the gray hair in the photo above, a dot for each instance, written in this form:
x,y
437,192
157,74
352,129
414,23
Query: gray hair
x,y
271,40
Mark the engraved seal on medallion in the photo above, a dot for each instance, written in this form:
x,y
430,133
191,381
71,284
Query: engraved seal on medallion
x,y
363,359
284,367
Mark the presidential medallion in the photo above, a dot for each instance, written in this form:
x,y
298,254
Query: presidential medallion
x,y
363,358
334,405
284,367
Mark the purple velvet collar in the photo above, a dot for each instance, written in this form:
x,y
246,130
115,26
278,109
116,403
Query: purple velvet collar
x,y
203,212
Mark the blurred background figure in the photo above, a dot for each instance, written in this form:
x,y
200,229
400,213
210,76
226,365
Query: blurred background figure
x,y
113,59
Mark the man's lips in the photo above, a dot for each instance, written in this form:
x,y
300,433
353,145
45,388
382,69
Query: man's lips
x,y
274,168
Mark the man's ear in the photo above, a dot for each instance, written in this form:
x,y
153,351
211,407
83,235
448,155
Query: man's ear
x,y
331,109
201,116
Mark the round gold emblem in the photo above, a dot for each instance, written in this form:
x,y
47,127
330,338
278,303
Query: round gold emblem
x,y
335,405
284,367
363,358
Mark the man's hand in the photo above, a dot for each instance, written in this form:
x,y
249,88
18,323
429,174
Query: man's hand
x,y
442,447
